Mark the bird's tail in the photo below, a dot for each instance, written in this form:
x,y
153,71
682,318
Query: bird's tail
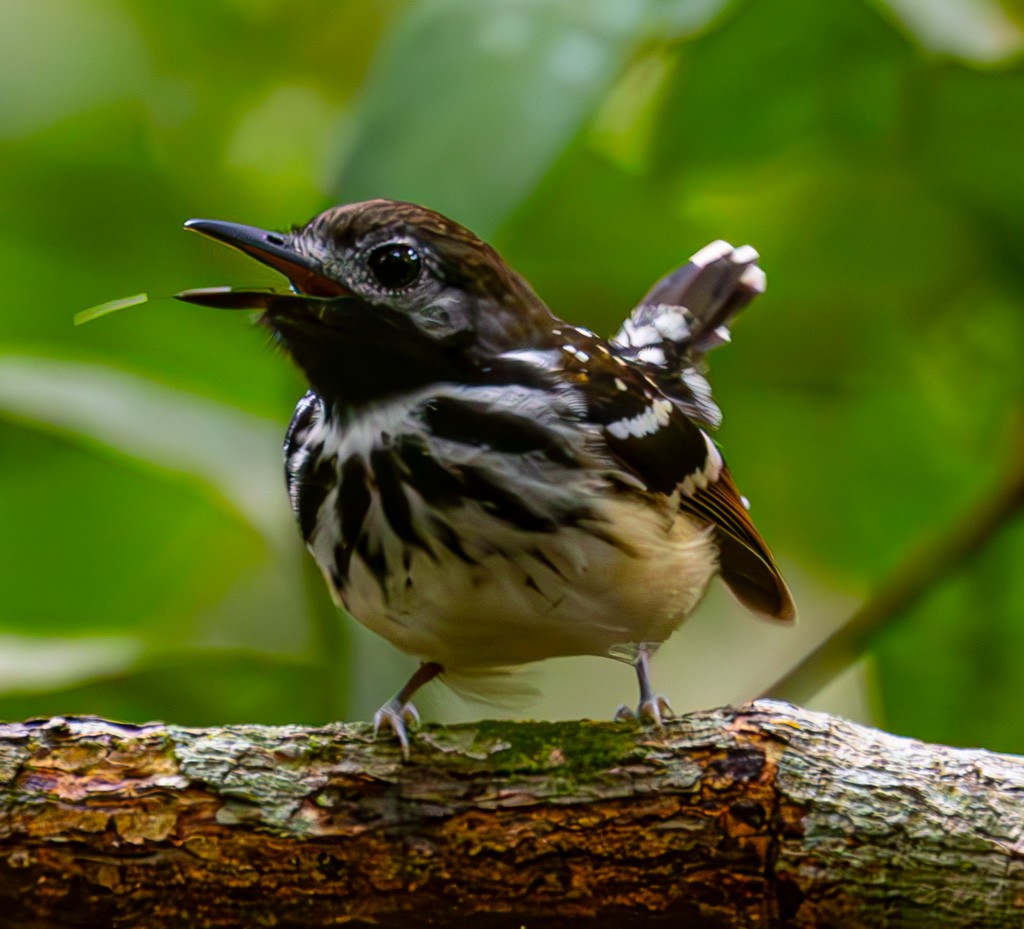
x,y
685,315
507,689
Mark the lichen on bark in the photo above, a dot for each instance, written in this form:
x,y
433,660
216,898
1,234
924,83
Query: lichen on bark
x,y
763,815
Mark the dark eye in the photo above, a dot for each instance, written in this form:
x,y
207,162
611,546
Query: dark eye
x,y
395,265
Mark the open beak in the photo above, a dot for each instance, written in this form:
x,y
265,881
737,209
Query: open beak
x,y
274,249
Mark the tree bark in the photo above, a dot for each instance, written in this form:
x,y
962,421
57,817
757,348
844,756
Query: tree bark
x,y
760,816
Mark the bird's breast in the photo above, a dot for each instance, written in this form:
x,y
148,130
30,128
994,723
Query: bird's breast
x,y
478,528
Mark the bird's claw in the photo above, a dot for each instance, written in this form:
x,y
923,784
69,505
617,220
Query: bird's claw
x,y
399,718
624,714
656,710
653,711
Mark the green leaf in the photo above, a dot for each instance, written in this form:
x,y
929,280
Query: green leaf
x,y
167,429
197,688
978,30
92,544
42,662
158,509
470,101
972,153
951,671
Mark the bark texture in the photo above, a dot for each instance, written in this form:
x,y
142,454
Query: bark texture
x,y
759,816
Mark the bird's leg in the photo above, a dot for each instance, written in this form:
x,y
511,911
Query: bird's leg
x,y
654,708
398,711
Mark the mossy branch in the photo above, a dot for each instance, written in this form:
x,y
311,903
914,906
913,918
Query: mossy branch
x,y
765,815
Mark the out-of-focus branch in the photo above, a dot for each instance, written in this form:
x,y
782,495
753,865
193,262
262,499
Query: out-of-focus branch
x,y
929,565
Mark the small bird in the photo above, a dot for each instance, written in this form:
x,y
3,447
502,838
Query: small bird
x,y
483,484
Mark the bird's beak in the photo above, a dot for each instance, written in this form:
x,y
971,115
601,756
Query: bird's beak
x,y
275,249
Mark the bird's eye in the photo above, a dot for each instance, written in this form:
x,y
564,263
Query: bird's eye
x,y
395,265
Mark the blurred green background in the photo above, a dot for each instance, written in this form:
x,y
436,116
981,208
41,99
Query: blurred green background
x,y
873,152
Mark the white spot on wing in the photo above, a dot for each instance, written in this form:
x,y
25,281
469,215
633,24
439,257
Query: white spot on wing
x,y
639,336
713,468
652,355
711,471
647,422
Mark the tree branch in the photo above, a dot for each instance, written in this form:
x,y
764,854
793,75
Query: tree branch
x,y
921,572
763,816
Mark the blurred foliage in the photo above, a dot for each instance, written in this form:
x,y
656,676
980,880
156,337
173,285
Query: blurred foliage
x,y
870,150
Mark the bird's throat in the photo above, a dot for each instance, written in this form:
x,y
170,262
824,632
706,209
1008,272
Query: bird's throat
x,y
351,369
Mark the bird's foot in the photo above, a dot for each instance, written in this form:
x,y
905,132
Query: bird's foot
x,y
399,717
652,712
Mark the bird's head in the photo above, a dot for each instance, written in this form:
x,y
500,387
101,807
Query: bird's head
x,y
385,295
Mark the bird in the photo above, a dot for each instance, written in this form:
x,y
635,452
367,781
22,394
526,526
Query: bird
x,y
484,484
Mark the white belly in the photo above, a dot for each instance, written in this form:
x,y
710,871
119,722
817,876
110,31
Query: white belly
x,y
534,595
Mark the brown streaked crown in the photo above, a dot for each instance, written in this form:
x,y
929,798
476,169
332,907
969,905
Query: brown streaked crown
x,y
466,260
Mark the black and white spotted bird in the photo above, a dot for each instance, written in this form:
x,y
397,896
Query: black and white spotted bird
x,y
483,484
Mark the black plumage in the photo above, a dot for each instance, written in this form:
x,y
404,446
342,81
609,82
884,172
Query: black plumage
x,y
483,483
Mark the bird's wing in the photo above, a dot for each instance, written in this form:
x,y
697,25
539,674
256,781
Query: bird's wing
x,y
745,562
653,439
